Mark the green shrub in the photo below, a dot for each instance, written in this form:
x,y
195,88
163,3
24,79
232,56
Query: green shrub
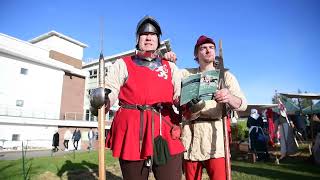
x,y
239,131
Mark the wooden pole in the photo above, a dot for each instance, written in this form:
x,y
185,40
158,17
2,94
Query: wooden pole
x,y
101,114
101,121
224,119
226,148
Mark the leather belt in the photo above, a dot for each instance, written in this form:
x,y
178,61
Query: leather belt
x,y
143,108
207,119
199,120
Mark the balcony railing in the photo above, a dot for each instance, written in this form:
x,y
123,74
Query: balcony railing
x,y
72,116
33,113
29,113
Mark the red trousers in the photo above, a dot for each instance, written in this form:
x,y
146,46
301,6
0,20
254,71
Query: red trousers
x,y
216,169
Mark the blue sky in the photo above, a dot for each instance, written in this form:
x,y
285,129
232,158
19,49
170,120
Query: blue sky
x,y
268,44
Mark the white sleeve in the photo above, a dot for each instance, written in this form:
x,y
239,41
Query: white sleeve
x,y
116,76
176,80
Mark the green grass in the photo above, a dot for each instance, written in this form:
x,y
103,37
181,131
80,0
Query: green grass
x,y
84,162
85,165
291,170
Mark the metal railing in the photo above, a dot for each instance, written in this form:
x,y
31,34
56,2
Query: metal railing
x,y
72,116
29,113
39,114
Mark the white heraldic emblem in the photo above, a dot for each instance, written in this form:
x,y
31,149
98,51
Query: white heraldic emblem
x,y
163,71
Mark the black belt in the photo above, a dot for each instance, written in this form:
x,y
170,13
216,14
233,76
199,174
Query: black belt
x,y
207,119
199,120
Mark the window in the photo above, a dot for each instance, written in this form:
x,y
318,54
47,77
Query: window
x,y
15,137
24,71
92,118
111,115
19,103
93,73
89,91
87,115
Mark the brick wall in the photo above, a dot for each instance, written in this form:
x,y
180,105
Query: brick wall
x,y
72,97
65,59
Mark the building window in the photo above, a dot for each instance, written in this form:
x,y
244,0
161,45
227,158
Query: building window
x,y
111,115
19,103
87,115
24,71
89,91
93,73
15,137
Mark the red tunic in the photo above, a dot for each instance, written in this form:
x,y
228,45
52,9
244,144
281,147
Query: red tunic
x,y
271,127
143,87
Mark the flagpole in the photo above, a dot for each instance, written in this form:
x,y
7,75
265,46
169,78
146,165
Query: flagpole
x,y
101,114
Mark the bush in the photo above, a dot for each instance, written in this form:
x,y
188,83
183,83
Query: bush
x,y
239,131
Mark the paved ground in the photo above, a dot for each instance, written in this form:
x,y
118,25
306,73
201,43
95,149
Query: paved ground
x,y
13,155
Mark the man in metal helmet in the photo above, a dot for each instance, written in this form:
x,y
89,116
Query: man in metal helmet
x,y
148,25
148,47
146,85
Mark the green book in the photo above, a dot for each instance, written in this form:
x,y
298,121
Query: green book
x,y
202,85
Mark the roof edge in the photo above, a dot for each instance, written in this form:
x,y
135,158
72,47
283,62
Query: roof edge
x,y
55,33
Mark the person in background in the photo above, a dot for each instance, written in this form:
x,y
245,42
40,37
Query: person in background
x,y
55,141
257,138
308,128
66,138
91,137
288,144
76,138
203,137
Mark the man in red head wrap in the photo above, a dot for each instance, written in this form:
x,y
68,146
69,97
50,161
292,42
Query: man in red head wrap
x,y
203,137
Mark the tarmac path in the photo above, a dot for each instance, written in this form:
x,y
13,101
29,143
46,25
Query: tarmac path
x,y
14,155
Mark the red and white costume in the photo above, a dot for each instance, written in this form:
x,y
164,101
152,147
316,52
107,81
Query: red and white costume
x,y
134,84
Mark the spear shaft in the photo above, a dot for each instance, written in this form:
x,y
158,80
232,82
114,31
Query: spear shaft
x,y
224,116
101,115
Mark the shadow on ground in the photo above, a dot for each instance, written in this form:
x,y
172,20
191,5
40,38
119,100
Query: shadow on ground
x,y
83,170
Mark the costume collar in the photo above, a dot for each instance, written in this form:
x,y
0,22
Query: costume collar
x,y
147,55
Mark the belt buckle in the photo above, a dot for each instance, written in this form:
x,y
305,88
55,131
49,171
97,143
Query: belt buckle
x,y
141,107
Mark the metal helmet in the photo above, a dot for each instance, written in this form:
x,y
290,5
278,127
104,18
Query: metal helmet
x,y
148,24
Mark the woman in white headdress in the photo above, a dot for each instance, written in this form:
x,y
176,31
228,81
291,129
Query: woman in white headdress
x,y
257,138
